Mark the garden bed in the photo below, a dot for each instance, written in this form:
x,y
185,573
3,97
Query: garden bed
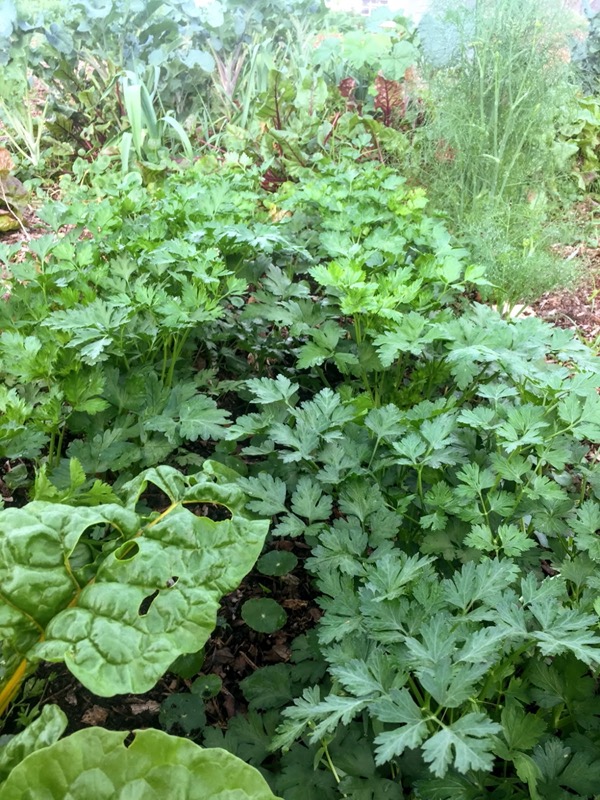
x,y
279,484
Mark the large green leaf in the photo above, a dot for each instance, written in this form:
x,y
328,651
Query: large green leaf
x,y
96,763
42,732
152,593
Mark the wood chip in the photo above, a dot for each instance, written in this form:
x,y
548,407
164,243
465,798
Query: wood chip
x,y
96,715
148,707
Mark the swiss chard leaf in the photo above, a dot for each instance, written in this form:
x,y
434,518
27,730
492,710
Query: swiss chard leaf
x,y
155,591
96,762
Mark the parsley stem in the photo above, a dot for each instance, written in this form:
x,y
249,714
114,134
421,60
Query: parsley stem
x,y
51,448
375,449
417,692
420,482
486,513
330,764
59,446
163,372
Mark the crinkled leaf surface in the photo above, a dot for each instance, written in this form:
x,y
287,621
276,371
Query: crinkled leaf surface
x,y
157,586
95,763
42,732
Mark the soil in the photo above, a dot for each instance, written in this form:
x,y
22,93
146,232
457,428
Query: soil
x,y
578,308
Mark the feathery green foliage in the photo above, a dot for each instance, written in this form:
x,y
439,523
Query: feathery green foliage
x,y
498,90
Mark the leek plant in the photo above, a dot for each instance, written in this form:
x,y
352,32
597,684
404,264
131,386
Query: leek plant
x,y
148,132
24,130
23,124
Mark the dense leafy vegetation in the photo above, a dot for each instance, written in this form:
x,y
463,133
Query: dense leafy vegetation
x,y
271,353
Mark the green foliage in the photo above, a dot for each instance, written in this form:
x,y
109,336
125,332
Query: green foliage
x,y
73,488
434,457
586,53
116,595
147,132
207,686
184,712
263,615
579,137
31,9
355,60
517,245
497,101
283,87
344,96
438,614
315,94
277,563
43,732
200,51
82,56
95,331
97,762
383,269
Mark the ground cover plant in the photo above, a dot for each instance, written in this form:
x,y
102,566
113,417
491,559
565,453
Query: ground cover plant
x,y
256,421
95,330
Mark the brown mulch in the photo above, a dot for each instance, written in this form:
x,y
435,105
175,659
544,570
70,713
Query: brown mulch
x,y
577,308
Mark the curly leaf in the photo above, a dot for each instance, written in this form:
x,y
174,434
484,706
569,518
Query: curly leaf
x,y
42,732
389,98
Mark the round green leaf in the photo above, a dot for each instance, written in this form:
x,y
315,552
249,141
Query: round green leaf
x,y
185,711
96,763
188,665
263,615
207,686
277,562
